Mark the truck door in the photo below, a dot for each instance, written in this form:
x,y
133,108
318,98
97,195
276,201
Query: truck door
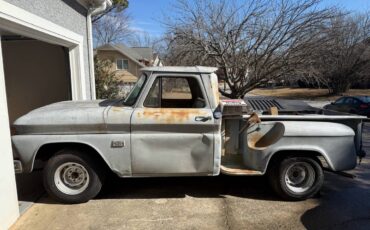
x,y
172,128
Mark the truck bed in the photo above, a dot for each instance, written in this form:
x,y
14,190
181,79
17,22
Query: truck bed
x,y
234,142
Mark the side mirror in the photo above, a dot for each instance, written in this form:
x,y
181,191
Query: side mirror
x,y
217,114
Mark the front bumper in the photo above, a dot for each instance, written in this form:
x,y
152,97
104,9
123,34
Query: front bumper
x,y
18,168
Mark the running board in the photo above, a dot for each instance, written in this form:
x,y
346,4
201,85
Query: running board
x,y
239,171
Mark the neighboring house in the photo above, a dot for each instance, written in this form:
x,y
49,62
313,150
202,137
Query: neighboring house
x,y
45,57
127,61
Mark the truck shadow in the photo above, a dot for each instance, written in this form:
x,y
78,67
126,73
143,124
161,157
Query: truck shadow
x,y
180,187
344,203
210,187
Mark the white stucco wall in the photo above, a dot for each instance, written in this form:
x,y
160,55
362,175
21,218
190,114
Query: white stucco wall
x,y
66,13
8,194
61,22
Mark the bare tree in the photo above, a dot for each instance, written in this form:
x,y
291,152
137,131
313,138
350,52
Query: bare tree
x,y
345,57
112,28
141,39
145,39
251,42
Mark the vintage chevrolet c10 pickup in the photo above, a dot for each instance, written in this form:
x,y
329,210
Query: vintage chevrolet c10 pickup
x,y
173,123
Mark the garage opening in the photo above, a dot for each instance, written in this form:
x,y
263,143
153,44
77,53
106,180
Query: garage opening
x,y
36,74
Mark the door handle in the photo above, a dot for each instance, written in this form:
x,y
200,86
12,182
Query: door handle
x,y
203,119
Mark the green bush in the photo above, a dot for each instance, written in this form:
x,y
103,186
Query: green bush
x,y
105,81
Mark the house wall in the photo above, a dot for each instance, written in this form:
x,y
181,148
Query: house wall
x,y
133,68
8,195
36,74
64,23
66,13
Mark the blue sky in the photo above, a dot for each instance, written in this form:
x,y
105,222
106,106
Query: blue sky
x,y
146,13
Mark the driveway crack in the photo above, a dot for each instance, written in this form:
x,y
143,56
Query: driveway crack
x,y
227,213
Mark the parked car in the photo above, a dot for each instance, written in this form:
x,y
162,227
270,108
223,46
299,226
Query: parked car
x,y
351,104
174,124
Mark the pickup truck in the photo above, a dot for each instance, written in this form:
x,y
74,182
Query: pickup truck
x,y
173,123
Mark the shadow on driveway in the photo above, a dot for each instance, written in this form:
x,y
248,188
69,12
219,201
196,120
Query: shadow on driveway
x,y
346,202
180,187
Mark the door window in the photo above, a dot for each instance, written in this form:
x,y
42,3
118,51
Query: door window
x,y
175,92
152,100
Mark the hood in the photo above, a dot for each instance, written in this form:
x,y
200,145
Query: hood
x,y
65,117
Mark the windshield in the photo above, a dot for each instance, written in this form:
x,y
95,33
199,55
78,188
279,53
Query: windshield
x,y
135,92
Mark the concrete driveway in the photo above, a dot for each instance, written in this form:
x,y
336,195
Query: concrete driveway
x,y
210,203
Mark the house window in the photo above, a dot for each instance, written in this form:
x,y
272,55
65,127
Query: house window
x,y
122,64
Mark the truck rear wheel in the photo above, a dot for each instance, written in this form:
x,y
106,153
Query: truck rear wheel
x,y
71,177
296,178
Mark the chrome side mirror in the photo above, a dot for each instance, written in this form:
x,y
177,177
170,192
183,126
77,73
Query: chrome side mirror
x,y
217,115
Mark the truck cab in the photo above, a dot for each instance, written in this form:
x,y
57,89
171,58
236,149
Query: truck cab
x,y
173,123
173,127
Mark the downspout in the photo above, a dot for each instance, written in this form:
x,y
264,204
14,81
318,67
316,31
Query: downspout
x,y
93,10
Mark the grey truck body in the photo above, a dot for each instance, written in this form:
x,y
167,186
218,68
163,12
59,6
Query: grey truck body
x,y
134,140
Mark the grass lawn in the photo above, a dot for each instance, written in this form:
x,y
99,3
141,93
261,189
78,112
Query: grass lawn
x,y
306,94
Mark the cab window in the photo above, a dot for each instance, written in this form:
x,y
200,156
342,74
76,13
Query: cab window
x,y
175,92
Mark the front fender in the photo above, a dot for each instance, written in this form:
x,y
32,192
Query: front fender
x,y
118,159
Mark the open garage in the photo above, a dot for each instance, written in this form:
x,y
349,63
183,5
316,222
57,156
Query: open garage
x,y
36,74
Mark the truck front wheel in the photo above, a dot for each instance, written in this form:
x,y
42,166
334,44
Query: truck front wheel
x,y
296,178
71,177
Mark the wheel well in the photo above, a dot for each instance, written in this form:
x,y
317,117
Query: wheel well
x,y
46,151
278,156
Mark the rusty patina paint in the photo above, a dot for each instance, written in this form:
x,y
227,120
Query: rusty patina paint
x,y
262,139
116,109
238,171
169,116
254,139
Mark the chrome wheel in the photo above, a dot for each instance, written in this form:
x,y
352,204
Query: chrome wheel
x,y
299,177
71,178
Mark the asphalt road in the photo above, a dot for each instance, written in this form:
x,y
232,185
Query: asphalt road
x,y
211,203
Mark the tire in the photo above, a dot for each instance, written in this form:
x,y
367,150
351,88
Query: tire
x,y
72,177
296,178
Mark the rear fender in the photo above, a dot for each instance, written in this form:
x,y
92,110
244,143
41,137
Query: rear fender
x,y
333,141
